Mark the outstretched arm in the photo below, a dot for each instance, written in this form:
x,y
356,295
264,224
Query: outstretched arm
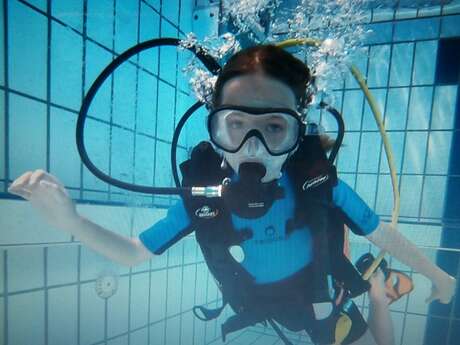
x,y
52,201
392,241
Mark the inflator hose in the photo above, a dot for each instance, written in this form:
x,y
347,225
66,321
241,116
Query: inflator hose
x,y
210,63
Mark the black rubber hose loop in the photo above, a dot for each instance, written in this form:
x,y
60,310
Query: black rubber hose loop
x,y
210,63
341,130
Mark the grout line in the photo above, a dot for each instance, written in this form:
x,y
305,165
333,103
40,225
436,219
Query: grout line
x,y
6,294
166,298
83,71
384,110
83,81
46,293
112,92
181,293
79,290
149,301
433,96
160,19
48,84
6,93
130,274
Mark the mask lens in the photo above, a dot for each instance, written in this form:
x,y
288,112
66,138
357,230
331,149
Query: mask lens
x,y
229,128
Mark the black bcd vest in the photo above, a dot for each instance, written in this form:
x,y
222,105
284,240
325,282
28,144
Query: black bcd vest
x,y
313,178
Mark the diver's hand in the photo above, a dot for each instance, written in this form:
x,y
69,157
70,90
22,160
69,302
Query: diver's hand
x,y
48,196
443,289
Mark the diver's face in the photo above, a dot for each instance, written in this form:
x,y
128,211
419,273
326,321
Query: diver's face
x,y
262,91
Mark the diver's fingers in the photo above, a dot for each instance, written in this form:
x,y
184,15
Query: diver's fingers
x,y
41,175
53,179
22,180
18,187
47,184
48,190
58,193
37,175
20,191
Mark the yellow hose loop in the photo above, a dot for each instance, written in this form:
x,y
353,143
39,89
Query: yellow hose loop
x,y
299,41
389,154
378,118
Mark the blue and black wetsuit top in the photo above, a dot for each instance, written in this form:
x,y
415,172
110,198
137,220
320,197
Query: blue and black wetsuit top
x,y
270,255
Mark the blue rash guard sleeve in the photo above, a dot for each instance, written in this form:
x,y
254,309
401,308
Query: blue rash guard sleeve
x,y
167,231
357,215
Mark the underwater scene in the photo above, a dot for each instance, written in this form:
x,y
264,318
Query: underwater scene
x,y
247,172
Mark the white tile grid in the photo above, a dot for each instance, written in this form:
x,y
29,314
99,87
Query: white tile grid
x,y
92,315
157,333
61,260
174,290
66,74
117,309
62,264
172,327
212,290
26,318
187,326
62,315
25,269
27,128
138,337
18,264
158,293
139,300
27,77
55,278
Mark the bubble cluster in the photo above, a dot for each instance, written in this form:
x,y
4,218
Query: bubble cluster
x,y
338,24
222,46
189,41
201,81
249,16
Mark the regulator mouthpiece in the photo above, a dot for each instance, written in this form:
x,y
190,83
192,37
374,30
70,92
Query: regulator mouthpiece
x,y
248,196
251,172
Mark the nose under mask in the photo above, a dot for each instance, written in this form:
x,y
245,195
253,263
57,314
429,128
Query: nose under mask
x,y
254,151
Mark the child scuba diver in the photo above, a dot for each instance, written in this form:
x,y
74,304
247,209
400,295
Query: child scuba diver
x,y
275,246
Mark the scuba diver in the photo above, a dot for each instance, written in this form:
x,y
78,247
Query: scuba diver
x,y
275,244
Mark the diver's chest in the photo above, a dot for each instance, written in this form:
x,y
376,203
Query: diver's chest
x,y
269,228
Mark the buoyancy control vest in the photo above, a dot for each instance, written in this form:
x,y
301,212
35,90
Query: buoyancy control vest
x,y
313,178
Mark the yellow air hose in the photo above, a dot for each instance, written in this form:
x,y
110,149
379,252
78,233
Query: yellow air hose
x,y
344,323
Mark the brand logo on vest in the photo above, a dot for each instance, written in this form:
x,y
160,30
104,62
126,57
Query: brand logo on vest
x,y
206,212
256,204
315,182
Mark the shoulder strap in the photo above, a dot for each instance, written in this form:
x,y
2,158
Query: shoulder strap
x,y
314,179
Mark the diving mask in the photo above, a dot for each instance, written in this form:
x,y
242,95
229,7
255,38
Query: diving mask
x,y
279,129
